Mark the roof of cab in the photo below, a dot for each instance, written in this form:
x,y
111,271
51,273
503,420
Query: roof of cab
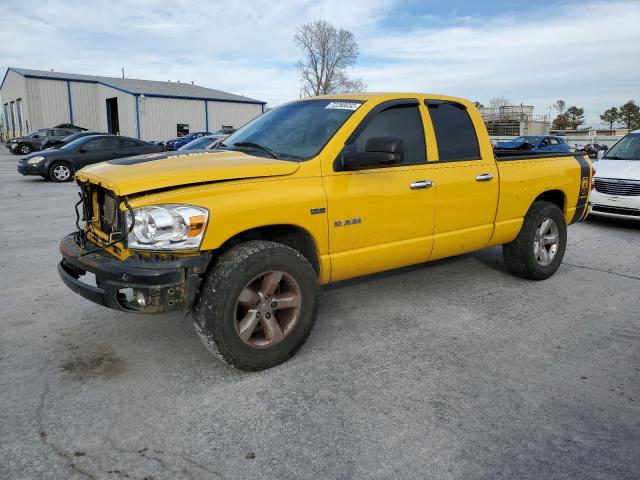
x,y
386,96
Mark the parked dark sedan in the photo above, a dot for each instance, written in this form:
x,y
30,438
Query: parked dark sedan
x,y
33,141
59,142
60,164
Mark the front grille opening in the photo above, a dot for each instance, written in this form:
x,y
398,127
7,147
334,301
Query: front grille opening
x,y
627,188
108,208
101,212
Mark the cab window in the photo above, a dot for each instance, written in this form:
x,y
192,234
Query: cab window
x,y
402,122
455,135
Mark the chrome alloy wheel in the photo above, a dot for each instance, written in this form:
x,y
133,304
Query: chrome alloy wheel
x,y
268,309
546,242
62,173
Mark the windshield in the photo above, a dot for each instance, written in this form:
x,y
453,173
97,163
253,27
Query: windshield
x,y
197,143
626,149
531,140
295,131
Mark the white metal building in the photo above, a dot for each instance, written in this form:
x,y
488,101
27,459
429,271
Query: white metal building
x,y
145,109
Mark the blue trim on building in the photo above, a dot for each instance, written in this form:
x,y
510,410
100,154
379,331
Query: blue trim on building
x,y
5,76
206,116
70,102
138,115
212,99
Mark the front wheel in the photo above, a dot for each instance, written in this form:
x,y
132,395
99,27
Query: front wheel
x,y
257,305
61,172
24,149
537,251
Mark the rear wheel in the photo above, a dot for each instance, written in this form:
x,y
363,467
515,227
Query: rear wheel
x,y
257,305
61,172
24,148
537,251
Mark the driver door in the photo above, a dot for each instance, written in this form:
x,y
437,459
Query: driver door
x,y
382,218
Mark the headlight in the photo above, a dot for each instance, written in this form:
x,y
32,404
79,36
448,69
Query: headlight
x,y
167,227
35,160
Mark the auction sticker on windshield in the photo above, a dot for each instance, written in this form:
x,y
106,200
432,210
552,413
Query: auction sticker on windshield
x,y
343,105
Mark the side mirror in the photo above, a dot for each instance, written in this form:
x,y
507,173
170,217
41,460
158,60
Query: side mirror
x,y
379,152
82,150
600,154
36,136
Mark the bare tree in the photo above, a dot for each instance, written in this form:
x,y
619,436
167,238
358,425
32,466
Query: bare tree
x,y
328,52
498,102
559,106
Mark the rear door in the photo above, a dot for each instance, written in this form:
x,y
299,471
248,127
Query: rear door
x,y
467,184
97,150
130,147
382,218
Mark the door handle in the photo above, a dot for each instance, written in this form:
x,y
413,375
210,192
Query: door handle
x,y
421,184
484,177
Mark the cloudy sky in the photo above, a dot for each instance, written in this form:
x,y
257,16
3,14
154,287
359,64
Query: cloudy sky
x,y
530,52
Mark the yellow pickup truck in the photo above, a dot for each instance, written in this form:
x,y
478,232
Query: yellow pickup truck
x,y
312,192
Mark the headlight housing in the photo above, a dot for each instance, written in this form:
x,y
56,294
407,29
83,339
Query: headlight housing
x,y
35,160
167,227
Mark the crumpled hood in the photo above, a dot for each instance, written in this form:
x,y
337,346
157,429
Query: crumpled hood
x,y
623,169
155,171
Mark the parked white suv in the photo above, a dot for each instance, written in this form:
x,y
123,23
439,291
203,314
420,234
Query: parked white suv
x,y
617,180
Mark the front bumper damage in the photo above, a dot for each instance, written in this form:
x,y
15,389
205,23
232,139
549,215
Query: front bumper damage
x,y
137,284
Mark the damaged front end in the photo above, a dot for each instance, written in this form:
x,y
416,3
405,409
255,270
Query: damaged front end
x,y
139,282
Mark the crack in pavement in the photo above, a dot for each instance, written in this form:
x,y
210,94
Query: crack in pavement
x,y
602,270
44,439
142,453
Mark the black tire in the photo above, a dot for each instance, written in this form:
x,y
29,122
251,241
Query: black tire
x,y
520,255
24,149
217,309
56,172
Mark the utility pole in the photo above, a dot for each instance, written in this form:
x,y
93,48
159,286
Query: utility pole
x,y
122,72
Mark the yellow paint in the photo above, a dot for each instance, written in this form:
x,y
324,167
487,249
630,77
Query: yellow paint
x,y
391,225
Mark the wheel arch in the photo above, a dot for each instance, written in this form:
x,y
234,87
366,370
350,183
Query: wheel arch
x,y
557,197
292,236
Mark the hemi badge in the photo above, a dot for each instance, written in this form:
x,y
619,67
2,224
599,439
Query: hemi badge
x,y
317,211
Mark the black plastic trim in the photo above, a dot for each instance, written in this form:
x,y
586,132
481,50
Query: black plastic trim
x,y
581,205
169,284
